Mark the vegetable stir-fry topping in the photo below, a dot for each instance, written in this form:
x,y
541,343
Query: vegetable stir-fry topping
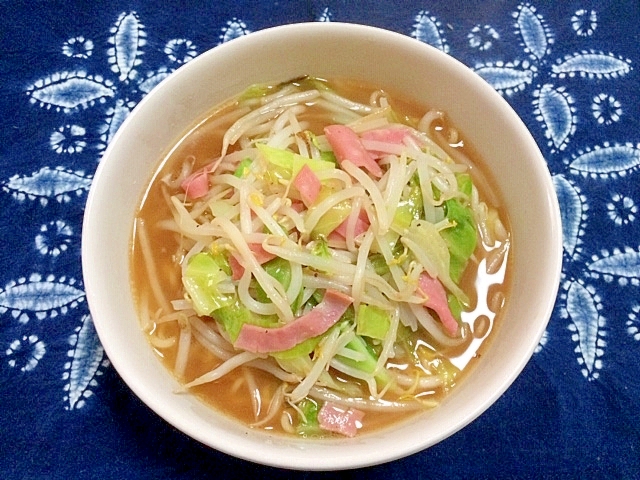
x,y
321,236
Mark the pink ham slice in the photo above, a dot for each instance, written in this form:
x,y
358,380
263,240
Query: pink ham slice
x,y
362,225
237,270
437,301
323,316
308,185
391,135
346,145
196,185
334,418
394,135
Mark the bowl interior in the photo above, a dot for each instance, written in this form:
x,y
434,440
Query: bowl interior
x,y
386,59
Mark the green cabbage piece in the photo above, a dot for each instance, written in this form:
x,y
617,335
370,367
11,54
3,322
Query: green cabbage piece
x,y
332,219
370,362
409,209
308,411
288,163
461,238
257,90
433,246
243,168
234,315
303,348
201,279
372,321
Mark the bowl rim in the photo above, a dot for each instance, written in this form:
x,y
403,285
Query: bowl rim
x,y
302,462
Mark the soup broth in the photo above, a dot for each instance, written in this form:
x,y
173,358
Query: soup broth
x,y
228,213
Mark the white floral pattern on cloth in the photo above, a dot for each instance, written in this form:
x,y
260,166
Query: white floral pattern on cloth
x,y
54,238
482,37
551,79
25,353
112,93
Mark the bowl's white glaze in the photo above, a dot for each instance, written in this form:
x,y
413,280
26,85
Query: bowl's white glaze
x,y
389,60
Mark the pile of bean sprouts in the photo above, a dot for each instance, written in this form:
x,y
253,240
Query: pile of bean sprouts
x,y
256,209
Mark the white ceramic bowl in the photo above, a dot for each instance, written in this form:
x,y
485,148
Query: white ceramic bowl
x,y
327,50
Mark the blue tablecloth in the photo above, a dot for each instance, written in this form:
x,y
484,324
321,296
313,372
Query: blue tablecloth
x,y
570,69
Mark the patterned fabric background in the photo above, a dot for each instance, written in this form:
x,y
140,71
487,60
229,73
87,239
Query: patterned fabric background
x,y
70,72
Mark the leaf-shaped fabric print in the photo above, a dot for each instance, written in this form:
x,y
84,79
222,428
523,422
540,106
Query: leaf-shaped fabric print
x,y
127,40
47,183
68,91
583,307
535,36
153,79
87,359
623,265
43,297
428,30
633,322
554,109
607,160
115,117
572,213
507,78
592,65
543,341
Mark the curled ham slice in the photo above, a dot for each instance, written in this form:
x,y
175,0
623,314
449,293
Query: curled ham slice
x,y
362,225
388,135
237,270
262,256
308,185
334,418
437,301
323,316
383,136
346,145
196,185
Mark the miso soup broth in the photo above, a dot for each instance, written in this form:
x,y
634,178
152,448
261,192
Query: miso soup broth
x,y
320,258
